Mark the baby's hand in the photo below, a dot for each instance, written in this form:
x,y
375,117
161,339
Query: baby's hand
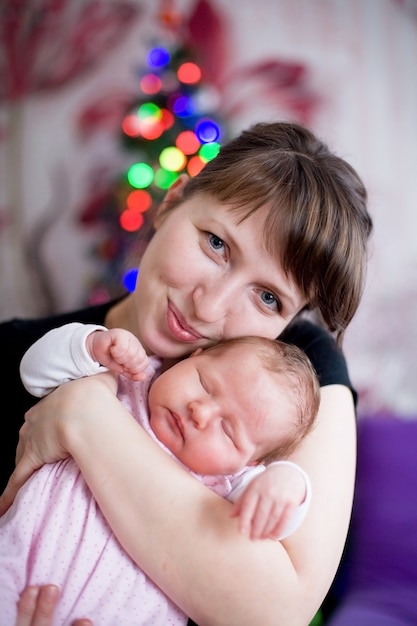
x,y
120,351
269,501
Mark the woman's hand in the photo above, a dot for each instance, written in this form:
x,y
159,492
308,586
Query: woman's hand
x,y
37,604
41,437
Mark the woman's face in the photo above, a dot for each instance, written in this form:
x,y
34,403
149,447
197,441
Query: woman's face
x,y
205,277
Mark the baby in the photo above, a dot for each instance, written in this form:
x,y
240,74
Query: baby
x,y
225,413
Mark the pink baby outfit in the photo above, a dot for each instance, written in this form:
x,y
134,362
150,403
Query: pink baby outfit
x,y
55,533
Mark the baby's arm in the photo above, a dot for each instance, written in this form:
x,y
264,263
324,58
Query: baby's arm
x,y
62,355
275,501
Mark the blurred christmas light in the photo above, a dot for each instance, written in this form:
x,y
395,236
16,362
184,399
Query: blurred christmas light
x,y
167,119
187,142
140,175
150,84
183,106
139,200
164,179
130,278
131,126
149,110
208,151
131,220
151,128
207,131
172,159
158,57
189,73
195,165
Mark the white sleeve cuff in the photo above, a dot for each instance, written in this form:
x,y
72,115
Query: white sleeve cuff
x,y
57,357
301,511
83,362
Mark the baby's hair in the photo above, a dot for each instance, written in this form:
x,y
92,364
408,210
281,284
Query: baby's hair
x,y
293,368
317,224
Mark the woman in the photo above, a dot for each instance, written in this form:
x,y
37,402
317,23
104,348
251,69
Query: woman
x,y
274,226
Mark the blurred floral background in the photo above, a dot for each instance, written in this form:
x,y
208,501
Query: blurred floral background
x,y
73,73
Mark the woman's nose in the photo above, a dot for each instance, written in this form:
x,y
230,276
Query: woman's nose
x,y
212,300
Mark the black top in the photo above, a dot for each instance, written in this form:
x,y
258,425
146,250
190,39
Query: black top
x,y
17,335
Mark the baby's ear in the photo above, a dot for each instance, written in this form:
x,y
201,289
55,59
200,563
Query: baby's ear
x,y
196,352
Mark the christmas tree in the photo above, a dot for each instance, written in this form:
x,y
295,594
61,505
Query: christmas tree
x,y
171,128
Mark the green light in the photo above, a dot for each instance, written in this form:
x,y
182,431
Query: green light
x,y
140,175
149,109
209,150
164,179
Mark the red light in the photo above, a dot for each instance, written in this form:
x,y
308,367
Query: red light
x,y
131,126
187,142
139,200
189,73
150,84
195,165
131,220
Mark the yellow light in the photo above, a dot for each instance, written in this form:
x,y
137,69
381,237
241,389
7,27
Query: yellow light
x,y
172,159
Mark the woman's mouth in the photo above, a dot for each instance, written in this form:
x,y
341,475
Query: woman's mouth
x,y
179,328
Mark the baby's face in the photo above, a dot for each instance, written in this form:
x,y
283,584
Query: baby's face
x,y
217,412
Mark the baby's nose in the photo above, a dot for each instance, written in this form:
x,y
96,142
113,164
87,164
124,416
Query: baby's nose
x,y
201,413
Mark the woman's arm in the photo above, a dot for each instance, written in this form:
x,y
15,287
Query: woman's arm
x,y
182,534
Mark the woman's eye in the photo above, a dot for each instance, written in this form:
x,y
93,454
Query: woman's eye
x,y
270,300
215,242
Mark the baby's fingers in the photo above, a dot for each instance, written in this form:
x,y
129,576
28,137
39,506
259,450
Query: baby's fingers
x,y
277,522
245,509
264,517
132,365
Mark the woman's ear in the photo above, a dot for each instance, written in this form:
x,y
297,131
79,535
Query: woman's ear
x,y
173,195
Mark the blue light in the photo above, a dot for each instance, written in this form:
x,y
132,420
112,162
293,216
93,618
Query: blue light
x,y
183,107
158,57
130,278
207,131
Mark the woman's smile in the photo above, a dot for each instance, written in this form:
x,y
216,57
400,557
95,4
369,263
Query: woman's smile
x,y
178,326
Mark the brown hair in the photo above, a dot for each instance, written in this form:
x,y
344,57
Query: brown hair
x,y
294,369
317,223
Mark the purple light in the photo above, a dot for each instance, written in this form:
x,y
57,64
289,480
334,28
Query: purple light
x,y
158,57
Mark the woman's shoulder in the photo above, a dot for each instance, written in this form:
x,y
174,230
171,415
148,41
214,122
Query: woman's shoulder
x,y
307,335
321,348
